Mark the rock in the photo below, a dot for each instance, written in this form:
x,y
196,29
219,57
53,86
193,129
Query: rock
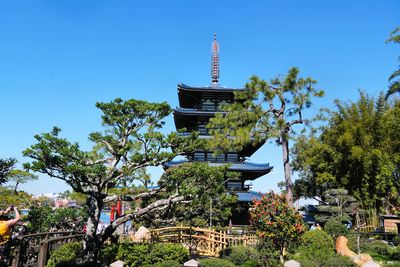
x,y
342,248
292,263
141,234
371,264
361,259
117,264
191,263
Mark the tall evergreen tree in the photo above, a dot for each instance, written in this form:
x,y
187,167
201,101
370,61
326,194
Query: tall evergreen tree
x,y
394,80
263,111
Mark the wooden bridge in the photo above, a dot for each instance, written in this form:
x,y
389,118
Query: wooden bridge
x,y
200,241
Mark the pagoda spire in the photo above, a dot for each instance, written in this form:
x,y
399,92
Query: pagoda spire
x,y
214,61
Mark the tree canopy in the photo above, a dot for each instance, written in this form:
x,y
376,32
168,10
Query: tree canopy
x,y
130,141
394,86
266,110
6,165
358,150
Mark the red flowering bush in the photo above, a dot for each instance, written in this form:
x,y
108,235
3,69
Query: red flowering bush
x,y
275,221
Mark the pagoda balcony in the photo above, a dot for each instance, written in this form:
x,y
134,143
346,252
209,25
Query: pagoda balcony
x,y
191,97
246,151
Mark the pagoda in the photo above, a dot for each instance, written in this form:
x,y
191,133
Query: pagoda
x,y
196,106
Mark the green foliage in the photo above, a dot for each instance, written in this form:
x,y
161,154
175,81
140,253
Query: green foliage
x,y
378,249
335,228
239,255
263,111
167,263
336,261
18,177
358,151
315,249
215,262
276,221
66,255
252,263
202,183
42,219
135,255
108,254
6,165
338,205
131,140
394,85
8,197
269,254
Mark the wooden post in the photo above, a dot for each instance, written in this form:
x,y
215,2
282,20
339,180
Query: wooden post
x,y
42,257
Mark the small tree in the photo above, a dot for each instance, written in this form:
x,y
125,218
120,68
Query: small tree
x,y
6,165
17,177
276,221
338,205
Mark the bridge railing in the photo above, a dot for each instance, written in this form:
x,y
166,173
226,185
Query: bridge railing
x,y
200,241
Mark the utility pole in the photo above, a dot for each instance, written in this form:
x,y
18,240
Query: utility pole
x,y
210,212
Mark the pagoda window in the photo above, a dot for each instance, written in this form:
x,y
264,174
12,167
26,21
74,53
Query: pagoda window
x,y
220,158
208,105
199,156
202,129
232,157
234,185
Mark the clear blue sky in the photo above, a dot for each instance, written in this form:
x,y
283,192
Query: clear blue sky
x,y
57,58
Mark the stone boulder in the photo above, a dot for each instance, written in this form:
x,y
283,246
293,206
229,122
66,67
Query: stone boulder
x,y
292,263
141,234
359,259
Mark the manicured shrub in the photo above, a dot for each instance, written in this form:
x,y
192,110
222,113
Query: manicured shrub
x,y
315,249
214,262
168,252
339,261
335,228
239,255
66,255
135,255
378,248
252,263
395,256
168,263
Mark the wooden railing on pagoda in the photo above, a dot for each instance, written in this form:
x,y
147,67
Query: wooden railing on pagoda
x,y
200,241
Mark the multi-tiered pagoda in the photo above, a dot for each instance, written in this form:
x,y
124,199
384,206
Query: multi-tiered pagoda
x,y
196,106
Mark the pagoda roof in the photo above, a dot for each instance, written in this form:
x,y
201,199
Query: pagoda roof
x,y
212,88
194,112
249,170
